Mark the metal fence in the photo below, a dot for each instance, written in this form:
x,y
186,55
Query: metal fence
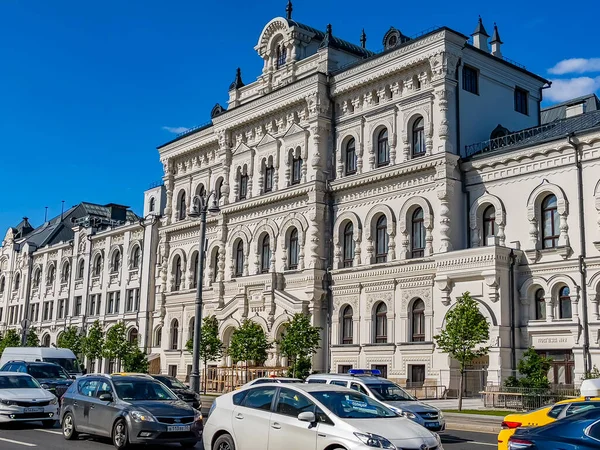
x,y
474,383
525,399
226,379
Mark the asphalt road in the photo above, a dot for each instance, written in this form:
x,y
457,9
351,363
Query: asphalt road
x,y
24,436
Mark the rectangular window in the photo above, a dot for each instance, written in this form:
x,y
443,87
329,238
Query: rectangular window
x,y
47,311
1,314
382,368
129,301
269,179
521,100
77,308
98,303
351,160
296,170
470,80
243,187
37,312
61,308
114,299
343,368
417,375
172,370
117,307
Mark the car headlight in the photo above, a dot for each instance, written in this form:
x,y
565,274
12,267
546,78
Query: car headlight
x,y
440,414
7,402
141,416
197,416
54,401
374,440
408,415
45,386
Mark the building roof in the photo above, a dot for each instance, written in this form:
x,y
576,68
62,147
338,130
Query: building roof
x,y
547,132
559,111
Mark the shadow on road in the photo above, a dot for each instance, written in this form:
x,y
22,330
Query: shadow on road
x,y
451,439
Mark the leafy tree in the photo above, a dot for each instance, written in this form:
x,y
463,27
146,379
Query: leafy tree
x,y
33,339
211,347
135,360
533,368
10,339
93,343
71,339
463,336
592,374
116,346
299,341
248,343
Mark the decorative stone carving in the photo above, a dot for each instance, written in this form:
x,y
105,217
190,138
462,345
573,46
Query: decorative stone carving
x,y
445,285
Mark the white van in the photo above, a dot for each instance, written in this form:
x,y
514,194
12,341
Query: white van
x,y
61,356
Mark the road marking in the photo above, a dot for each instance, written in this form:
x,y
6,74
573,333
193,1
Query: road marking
x,y
26,444
482,443
48,431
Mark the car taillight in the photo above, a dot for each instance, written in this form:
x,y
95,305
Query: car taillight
x,y
519,444
510,424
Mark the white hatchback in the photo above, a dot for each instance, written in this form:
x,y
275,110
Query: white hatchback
x,y
22,399
309,417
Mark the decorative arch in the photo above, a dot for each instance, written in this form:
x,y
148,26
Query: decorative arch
x,y
475,218
181,204
340,223
157,336
597,195
594,282
133,245
376,211
241,232
37,275
529,287
111,256
65,265
199,188
534,203
178,252
342,168
405,218
269,227
555,282
45,341
484,309
211,265
409,120
277,26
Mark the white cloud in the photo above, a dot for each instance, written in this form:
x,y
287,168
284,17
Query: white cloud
x,y
576,65
176,130
569,88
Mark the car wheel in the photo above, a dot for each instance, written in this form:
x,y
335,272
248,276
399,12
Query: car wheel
x,y
120,436
68,427
224,442
48,423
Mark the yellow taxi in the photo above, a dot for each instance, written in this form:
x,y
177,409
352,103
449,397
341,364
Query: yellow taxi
x,y
130,374
590,398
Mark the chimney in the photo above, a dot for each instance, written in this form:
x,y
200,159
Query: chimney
x,y
575,109
480,37
496,42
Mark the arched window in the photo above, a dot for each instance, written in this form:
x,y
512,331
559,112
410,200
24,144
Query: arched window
x,y
191,328
489,223
540,305
418,234
296,170
2,284
182,208
293,250
418,321
98,265
550,222
265,258
381,323
152,204
351,157
66,271
51,275
564,302
268,181
195,270
37,278
347,325
158,337
200,190
135,257
281,54
46,340
116,261
174,335
239,259
133,336
418,137
81,269
219,189
243,191
349,245
381,240
177,273
383,149
17,281
215,265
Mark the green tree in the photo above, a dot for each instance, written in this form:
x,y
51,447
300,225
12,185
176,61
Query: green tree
x,y
135,360
534,368
249,343
211,347
592,374
71,339
463,336
33,339
299,341
116,347
10,339
93,343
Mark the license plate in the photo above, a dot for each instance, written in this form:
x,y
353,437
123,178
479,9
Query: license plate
x,y
34,410
432,424
178,428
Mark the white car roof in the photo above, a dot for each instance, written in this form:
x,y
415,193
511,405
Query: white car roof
x,y
15,373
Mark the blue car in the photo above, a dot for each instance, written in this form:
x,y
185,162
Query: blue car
x,y
580,431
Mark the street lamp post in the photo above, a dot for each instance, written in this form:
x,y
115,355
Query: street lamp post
x,y
199,209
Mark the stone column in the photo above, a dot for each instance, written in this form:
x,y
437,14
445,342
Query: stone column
x,y
444,195
443,94
549,308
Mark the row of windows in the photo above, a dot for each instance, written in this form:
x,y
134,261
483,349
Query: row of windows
x,y
564,304
380,319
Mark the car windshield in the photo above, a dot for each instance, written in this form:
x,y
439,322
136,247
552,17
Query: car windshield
x,y
140,389
389,392
69,364
353,405
18,382
172,383
47,371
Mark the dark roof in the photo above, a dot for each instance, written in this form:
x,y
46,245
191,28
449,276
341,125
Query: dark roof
x,y
23,228
334,42
496,35
559,111
480,29
558,129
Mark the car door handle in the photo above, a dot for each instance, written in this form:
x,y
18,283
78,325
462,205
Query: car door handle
x,y
74,403
276,426
92,407
321,435
239,416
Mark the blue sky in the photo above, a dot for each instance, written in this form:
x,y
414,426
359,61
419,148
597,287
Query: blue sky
x,y
88,90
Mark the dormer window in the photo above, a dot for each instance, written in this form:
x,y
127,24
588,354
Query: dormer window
x,y
281,54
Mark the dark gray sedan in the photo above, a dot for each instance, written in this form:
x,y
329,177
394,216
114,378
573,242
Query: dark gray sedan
x,y
130,410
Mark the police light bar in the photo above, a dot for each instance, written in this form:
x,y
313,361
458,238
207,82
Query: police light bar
x,y
373,372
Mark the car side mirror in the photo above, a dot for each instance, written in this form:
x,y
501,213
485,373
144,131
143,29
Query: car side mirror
x,y
73,377
106,397
307,416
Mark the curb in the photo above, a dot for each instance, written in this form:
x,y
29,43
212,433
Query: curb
x,y
473,422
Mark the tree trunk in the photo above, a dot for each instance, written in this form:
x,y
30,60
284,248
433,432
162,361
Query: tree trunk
x,y
460,387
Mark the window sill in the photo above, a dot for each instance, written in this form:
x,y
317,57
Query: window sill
x,y
346,346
